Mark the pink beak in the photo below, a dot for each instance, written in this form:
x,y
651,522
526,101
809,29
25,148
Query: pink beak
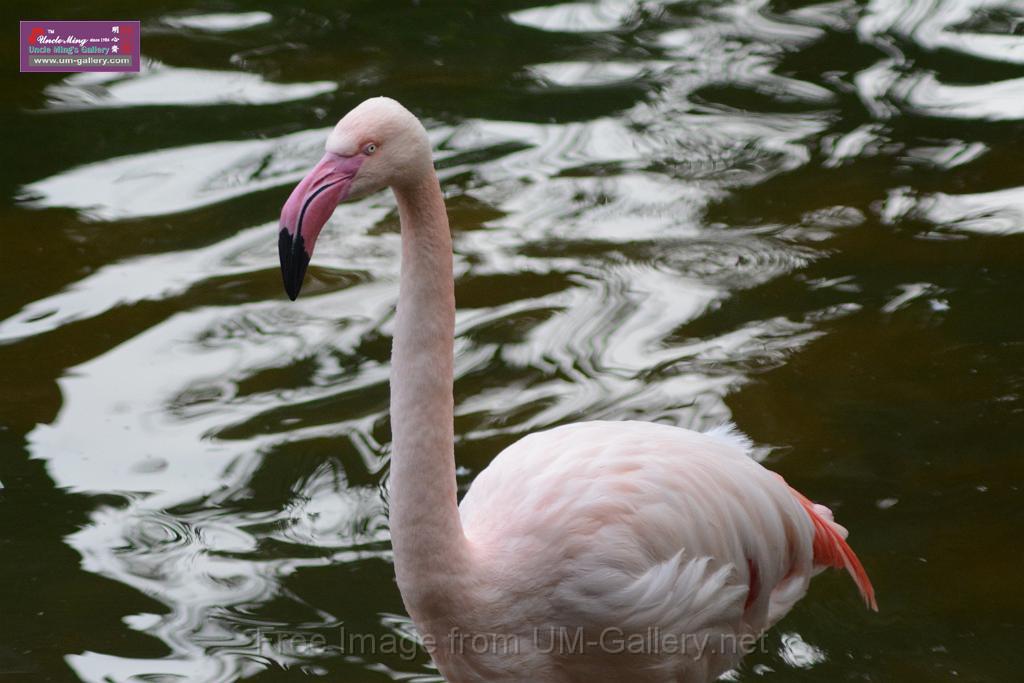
x,y
304,214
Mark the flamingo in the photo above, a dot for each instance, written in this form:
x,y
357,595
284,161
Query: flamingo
x,y
595,551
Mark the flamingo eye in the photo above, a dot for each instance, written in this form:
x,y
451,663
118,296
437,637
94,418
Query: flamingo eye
x,y
370,149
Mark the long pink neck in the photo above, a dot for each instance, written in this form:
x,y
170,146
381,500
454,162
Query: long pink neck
x,y
426,531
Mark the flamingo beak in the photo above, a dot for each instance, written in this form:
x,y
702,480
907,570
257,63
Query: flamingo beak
x,y
304,214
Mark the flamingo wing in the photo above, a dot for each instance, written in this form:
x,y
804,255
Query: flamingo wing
x,y
636,524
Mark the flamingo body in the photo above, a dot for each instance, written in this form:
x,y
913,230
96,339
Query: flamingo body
x,y
633,533
597,551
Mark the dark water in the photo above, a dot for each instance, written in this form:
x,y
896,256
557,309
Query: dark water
x,y
804,217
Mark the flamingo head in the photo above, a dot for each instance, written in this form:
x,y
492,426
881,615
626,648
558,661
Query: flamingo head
x,y
376,145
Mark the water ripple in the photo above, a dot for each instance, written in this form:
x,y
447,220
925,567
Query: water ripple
x,y
576,17
162,85
998,213
219,23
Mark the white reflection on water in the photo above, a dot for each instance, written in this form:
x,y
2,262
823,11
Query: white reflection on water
x,y
938,24
157,277
146,278
575,17
177,179
798,653
141,420
584,74
935,25
138,418
996,213
159,84
219,23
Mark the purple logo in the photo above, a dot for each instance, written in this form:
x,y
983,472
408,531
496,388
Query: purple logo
x,y
80,45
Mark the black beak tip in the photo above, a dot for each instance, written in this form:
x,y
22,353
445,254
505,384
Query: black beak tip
x,y
294,262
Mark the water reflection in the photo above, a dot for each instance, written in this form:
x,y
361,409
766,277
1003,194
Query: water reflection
x,y
937,26
999,213
161,85
682,199
219,23
178,179
604,15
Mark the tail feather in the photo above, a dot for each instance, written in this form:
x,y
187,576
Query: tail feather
x,y
832,550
